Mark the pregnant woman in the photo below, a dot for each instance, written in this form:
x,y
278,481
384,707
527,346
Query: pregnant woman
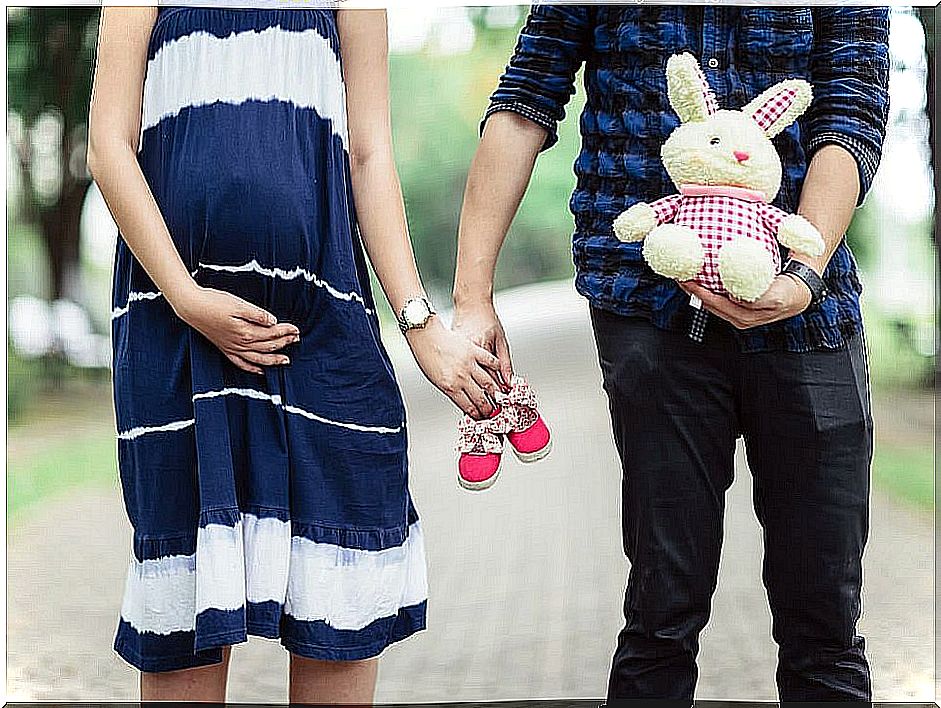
x,y
246,157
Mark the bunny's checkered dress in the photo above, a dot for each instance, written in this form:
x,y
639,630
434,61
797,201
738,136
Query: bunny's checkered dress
x,y
719,214
275,504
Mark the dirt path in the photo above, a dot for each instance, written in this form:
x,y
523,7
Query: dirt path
x,y
526,580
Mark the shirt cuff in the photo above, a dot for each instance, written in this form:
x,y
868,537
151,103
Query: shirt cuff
x,y
867,160
537,116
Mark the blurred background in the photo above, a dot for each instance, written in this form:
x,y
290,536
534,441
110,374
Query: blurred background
x,y
526,580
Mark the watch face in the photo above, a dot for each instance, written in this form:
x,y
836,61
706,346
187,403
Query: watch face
x,y
415,313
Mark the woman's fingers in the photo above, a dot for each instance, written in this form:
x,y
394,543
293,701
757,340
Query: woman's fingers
x,y
243,364
266,346
252,332
264,359
282,329
252,313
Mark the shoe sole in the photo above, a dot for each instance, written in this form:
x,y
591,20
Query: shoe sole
x,y
534,456
481,485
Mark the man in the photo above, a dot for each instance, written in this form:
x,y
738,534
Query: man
x,y
788,372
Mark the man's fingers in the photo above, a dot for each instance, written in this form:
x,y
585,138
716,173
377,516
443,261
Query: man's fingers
x,y
487,381
506,365
478,397
485,358
462,401
491,367
721,306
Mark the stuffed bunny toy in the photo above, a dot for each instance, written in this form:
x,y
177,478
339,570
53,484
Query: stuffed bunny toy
x,y
720,229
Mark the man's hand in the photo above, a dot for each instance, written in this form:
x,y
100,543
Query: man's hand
x,y
458,367
786,297
480,324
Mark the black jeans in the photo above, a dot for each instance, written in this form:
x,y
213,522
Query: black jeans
x,y
677,409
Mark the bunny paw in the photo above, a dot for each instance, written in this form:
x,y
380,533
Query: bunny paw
x,y
674,252
798,234
635,223
746,269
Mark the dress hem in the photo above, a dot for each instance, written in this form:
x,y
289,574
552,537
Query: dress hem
x,y
211,655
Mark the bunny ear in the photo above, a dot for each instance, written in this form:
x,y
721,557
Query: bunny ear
x,y
688,90
779,106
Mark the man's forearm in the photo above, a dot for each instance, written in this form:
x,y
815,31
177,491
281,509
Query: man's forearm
x,y
499,175
828,198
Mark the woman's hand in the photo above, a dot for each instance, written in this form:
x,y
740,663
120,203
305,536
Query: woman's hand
x,y
463,371
247,334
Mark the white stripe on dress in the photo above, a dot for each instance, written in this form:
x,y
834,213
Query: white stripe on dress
x,y
160,595
256,267
267,557
259,560
273,398
201,69
349,589
276,400
253,266
146,429
134,296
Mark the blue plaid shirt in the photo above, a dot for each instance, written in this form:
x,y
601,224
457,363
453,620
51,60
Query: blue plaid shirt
x,y
842,51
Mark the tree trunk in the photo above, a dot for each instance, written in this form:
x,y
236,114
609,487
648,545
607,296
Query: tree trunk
x,y
60,231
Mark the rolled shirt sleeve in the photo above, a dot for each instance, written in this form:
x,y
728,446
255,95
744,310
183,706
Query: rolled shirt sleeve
x,y
850,76
540,78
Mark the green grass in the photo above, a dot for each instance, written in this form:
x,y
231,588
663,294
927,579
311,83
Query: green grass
x,y
906,473
65,464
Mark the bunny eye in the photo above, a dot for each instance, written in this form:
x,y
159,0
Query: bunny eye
x,y
714,141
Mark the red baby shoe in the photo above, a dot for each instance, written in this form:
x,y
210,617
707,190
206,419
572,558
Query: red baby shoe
x,y
481,447
528,435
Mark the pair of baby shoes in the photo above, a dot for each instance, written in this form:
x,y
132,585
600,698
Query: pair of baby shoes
x,y
516,419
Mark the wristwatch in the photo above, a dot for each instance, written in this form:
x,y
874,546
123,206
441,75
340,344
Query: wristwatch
x,y
807,275
414,314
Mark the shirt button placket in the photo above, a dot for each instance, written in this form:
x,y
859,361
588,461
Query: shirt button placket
x,y
709,32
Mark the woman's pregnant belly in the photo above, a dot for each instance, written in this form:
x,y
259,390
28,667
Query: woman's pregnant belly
x,y
247,193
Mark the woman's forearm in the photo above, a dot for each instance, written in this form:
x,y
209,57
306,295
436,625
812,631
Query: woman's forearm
x,y
499,174
117,173
113,133
382,222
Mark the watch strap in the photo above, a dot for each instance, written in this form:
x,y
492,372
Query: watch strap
x,y
818,289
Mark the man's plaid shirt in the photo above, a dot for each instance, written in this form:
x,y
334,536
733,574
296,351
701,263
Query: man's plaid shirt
x,y
841,50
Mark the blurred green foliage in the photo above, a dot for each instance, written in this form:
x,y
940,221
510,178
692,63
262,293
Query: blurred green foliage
x,y
437,104
23,383
38,42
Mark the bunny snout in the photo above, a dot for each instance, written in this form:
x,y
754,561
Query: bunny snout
x,y
741,156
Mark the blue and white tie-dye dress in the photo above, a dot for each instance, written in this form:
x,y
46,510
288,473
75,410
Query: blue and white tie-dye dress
x,y
276,504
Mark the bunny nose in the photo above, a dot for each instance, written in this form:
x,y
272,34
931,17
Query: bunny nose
x,y
740,156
